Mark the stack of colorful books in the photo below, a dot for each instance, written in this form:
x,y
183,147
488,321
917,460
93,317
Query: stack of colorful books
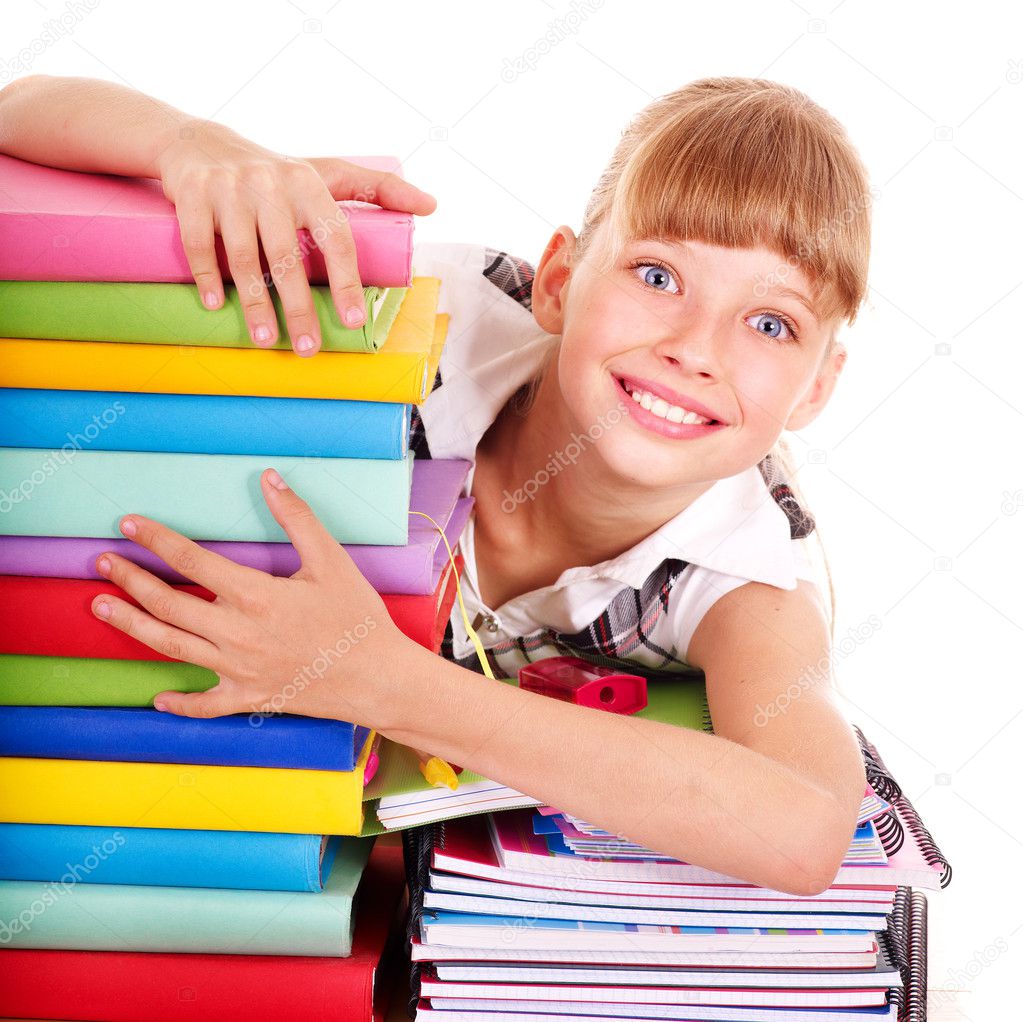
x,y
533,915
209,860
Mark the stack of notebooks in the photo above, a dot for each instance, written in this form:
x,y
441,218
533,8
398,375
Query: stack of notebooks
x,y
532,914
141,851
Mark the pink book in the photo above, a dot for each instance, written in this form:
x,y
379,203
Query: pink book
x,y
60,224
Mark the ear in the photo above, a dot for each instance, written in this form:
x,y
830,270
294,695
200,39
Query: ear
x,y
552,275
820,390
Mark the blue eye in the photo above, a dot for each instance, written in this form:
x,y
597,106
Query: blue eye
x,y
655,276
776,327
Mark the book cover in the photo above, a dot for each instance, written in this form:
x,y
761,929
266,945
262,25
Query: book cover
x,y
202,496
182,795
144,735
58,224
163,857
107,420
173,314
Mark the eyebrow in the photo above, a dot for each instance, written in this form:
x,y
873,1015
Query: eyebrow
x,y
788,292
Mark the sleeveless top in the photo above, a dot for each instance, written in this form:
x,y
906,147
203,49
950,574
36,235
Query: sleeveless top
x,y
639,609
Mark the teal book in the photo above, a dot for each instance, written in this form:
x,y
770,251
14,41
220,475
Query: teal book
x,y
202,496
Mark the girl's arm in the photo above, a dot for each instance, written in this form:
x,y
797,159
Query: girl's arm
x,y
220,183
774,806
770,798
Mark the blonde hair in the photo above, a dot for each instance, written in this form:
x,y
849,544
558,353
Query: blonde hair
x,y
741,163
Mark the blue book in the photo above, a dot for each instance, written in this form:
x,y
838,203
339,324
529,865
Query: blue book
x,y
237,860
141,734
104,420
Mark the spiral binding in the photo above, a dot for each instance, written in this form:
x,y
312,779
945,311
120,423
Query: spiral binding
x,y
889,826
916,991
889,830
893,942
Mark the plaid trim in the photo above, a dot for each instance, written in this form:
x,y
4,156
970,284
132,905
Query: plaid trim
x,y
626,626
513,276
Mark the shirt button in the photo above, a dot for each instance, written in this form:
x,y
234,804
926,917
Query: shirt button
x,y
492,623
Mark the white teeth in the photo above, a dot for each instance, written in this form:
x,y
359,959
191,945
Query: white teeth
x,y
661,408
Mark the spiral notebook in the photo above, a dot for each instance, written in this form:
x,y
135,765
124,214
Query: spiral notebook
x,y
902,944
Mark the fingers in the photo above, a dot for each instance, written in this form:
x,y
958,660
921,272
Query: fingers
x,y
241,244
198,240
214,702
157,634
345,180
220,575
315,545
280,242
328,224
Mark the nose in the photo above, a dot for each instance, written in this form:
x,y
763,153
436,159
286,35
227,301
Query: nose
x,y
691,352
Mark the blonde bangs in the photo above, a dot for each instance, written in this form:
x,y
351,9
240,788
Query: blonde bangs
x,y
742,163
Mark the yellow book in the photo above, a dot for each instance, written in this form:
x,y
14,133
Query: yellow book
x,y
182,795
401,371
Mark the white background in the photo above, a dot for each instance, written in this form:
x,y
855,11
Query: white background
x,y
917,482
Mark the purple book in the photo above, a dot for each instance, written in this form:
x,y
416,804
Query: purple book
x,y
414,569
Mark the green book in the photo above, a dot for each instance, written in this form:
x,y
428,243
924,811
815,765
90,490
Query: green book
x,y
29,680
154,313
197,920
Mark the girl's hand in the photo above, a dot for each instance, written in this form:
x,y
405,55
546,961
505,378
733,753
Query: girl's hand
x,y
320,643
221,183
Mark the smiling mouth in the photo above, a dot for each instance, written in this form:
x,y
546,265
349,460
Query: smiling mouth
x,y
658,406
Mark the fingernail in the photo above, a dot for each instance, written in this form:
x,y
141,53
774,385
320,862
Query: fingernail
x,y
275,480
304,343
103,564
103,609
210,299
129,528
262,333
354,316
162,707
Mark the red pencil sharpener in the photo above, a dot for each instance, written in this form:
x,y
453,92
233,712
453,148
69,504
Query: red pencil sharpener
x,y
574,680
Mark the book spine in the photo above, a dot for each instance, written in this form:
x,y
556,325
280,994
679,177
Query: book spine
x,y
205,496
113,917
27,680
145,735
202,424
155,369
53,617
178,795
62,854
122,248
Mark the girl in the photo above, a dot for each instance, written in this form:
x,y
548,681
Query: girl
x,y
623,404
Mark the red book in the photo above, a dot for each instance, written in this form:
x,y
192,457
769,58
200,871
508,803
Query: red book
x,y
53,616
137,986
